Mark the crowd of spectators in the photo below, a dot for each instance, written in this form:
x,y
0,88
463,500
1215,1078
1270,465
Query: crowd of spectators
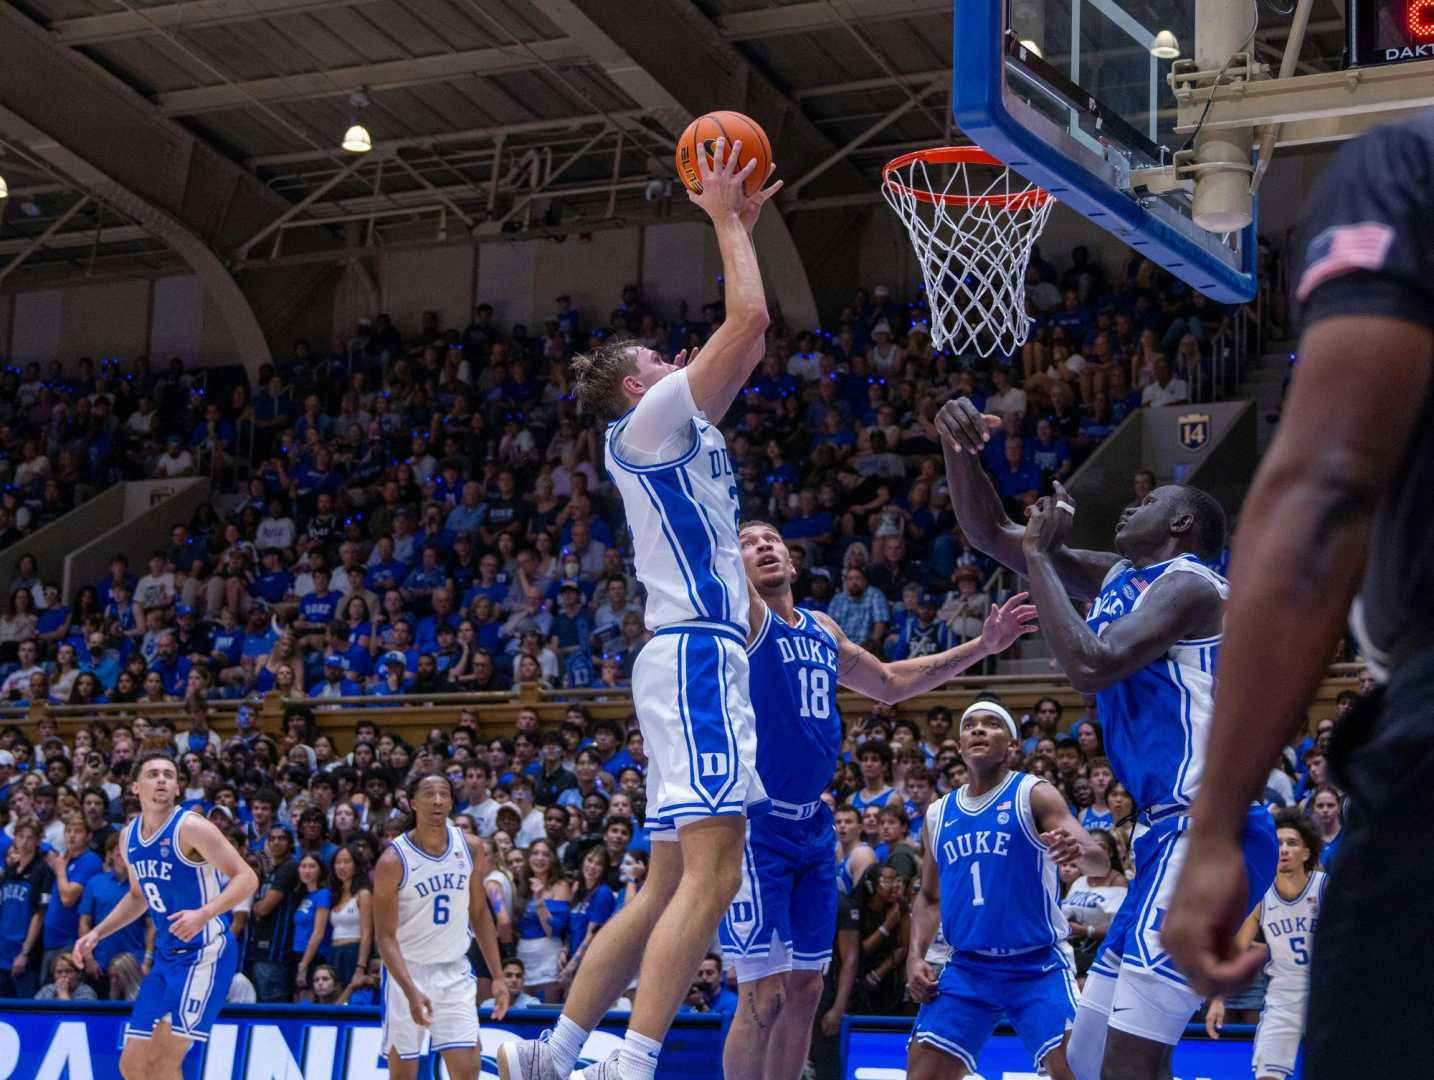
x,y
420,512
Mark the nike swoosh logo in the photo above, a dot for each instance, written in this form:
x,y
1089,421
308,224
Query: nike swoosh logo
x,y
948,824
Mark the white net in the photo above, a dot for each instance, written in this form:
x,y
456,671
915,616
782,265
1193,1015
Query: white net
x,y
973,223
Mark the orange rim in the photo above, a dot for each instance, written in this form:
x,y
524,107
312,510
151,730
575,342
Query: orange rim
x,y
960,155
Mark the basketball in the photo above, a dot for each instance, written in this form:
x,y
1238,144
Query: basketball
x,y
707,129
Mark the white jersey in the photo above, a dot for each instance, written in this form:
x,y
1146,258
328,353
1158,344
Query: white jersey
x,y
682,511
1289,929
433,900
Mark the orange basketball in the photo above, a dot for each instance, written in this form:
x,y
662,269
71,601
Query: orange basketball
x,y
706,130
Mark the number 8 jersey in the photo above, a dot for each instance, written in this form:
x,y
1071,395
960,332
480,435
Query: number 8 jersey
x,y
433,900
1000,895
170,882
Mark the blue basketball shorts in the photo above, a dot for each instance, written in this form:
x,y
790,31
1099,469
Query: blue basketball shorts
x,y
1133,981
1035,992
187,989
783,917
690,692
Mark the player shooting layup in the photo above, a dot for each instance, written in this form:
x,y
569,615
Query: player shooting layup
x,y
189,876
779,928
425,912
1147,651
689,687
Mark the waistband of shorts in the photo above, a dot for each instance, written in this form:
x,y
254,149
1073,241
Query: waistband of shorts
x,y
1153,814
795,811
1004,954
708,627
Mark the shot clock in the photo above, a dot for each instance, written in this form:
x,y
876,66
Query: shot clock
x,y
1390,31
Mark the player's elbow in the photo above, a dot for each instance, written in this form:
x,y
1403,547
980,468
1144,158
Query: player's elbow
x,y
250,880
1088,675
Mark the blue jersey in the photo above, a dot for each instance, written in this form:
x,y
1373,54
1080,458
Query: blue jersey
x,y
171,882
1157,720
1000,895
794,681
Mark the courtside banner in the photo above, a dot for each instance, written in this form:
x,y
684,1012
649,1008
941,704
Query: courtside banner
x,y
874,1048
58,1041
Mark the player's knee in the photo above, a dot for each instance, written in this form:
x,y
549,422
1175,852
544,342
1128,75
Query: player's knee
x,y
765,999
803,988
134,1062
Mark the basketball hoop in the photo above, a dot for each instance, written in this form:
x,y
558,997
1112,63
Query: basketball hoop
x,y
973,224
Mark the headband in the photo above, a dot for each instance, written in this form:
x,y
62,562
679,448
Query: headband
x,y
991,707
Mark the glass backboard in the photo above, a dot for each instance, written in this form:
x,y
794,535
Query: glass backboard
x,y
1069,94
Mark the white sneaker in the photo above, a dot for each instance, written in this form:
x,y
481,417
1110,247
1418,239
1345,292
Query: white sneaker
x,y
603,1070
529,1059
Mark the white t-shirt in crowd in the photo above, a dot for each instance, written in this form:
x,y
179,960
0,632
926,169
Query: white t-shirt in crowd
x,y
172,465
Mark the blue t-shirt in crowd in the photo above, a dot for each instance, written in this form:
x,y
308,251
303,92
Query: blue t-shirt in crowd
x,y
1026,477
62,924
272,586
103,892
305,914
320,608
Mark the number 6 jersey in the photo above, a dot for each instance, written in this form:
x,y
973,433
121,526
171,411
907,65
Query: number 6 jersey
x,y
1000,895
433,900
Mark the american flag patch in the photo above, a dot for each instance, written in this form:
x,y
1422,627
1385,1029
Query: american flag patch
x,y
1341,249
1140,584
1004,805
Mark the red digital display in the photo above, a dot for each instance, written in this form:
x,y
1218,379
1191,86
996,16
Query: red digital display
x,y
1421,19
1390,31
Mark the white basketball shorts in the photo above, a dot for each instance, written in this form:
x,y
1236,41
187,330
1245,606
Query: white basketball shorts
x,y
453,989
689,687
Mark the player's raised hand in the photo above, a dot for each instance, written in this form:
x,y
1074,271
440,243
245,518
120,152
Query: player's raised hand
x,y
1009,622
1048,522
752,208
920,980
723,194
964,426
501,999
420,1006
186,924
685,357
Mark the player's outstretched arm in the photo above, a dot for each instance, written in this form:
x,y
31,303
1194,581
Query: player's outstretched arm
x,y
1066,840
717,373
130,908
925,916
387,877
1304,538
481,919
203,838
892,681
965,430
1177,607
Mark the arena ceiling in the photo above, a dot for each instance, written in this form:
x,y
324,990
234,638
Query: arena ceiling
x,y
132,130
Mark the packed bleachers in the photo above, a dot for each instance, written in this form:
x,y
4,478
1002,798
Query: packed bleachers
x,y
421,512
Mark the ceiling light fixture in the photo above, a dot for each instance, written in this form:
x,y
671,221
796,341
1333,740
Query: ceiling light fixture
x,y
4,189
1165,47
357,139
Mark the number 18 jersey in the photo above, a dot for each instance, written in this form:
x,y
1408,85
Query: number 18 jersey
x,y
999,893
433,900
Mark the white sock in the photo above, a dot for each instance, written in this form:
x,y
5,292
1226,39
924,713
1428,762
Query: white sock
x,y
566,1043
639,1056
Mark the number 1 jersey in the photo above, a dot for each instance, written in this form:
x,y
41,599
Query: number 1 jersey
x,y
1000,895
